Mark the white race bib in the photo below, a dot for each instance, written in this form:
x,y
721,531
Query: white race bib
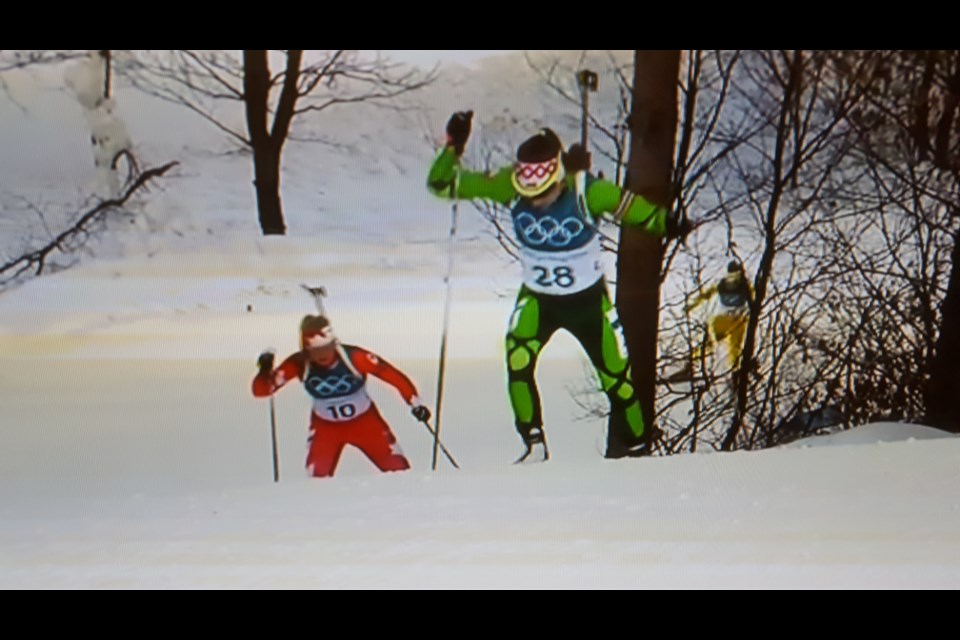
x,y
343,408
561,273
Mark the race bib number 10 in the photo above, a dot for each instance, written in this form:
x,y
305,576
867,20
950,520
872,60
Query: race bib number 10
x,y
343,408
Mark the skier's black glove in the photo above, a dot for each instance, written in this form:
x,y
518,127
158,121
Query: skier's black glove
x,y
421,413
576,159
265,363
458,130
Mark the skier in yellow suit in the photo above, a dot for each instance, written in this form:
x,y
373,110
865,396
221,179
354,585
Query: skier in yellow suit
x,y
732,297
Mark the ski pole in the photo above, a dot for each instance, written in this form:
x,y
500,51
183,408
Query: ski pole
x,y
446,323
587,81
273,432
318,293
436,439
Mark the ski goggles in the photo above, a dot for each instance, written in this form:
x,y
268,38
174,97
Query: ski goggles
x,y
530,179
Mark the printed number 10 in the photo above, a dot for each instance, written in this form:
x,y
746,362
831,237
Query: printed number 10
x,y
343,411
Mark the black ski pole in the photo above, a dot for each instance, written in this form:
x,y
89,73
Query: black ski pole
x,y
446,323
436,439
587,81
318,294
273,432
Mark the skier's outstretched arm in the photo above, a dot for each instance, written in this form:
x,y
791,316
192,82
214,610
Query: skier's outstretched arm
x,y
448,179
626,207
372,364
446,171
269,380
701,297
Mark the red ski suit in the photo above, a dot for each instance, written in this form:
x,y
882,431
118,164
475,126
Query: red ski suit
x,y
343,412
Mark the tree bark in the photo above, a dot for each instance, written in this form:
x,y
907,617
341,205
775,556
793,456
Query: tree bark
x,y
266,183
943,389
266,151
653,127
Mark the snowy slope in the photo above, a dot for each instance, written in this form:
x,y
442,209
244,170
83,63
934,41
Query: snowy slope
x,y
879,433
132,454
879,517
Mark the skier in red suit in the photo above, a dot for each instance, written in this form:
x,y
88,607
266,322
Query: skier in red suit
x,y
335,377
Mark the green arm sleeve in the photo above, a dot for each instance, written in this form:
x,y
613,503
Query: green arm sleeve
x,y
471,184
628,208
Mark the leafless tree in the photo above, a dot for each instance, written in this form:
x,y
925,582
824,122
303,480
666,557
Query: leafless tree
x,y
906,254
74,236
307,82
833,176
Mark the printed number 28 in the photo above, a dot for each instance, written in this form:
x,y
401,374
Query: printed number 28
x,y
343,411
560,276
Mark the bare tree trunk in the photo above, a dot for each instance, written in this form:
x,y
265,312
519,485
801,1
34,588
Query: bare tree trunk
x,y
266,182
943,389
199,80
653,126
266,152
105,54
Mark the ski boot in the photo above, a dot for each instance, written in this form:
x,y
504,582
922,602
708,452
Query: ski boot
x,y
631,446
536,447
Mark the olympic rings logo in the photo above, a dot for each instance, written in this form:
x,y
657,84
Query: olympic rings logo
x,y
548,231
528,171
331,385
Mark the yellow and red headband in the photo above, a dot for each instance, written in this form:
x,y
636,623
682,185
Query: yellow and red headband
x,y
531,179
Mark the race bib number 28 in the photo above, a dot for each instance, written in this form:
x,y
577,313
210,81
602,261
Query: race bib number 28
x,y
562,277
561,273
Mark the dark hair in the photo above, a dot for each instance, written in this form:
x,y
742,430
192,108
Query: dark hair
x,y
734,266
313,323
543,146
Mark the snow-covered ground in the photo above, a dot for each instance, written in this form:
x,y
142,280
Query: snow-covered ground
x,y
132,454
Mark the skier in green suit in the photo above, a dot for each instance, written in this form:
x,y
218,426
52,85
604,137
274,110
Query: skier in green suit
x,y
555,204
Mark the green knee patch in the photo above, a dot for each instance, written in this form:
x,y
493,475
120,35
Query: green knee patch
x,y
519,356
617,384
519,359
